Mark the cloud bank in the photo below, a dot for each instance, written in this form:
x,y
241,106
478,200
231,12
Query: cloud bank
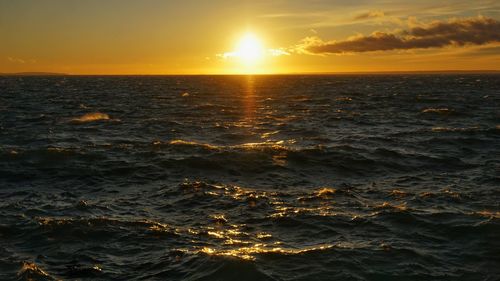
x,y
438,34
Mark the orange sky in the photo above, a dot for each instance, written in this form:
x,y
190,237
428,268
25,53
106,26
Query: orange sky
x,y
192,37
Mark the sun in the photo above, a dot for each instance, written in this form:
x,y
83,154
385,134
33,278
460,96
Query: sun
x,y
251,56
249,49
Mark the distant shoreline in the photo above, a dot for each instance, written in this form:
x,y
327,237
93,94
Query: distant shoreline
x,y
424,72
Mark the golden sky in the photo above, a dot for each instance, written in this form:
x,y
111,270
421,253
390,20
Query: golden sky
x,y
258,36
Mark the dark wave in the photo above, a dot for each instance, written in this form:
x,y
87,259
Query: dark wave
x,y
252,178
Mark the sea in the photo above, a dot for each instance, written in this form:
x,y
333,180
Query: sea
x,y
292,177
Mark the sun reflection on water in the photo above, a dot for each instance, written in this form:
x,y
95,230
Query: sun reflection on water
x,y
249,253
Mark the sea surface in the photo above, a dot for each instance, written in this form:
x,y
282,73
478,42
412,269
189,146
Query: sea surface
x,y
342,177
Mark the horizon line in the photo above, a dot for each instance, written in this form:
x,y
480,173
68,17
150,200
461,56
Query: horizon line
x,y
42,73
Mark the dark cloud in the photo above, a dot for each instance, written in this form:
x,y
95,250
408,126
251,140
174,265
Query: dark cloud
x,y
477,31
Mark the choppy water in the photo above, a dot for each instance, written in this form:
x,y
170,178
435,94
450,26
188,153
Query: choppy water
x,y
250,178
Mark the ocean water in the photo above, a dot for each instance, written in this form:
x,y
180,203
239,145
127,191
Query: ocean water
x,y
382,177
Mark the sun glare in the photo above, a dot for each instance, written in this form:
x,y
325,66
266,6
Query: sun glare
x,y
249,49
250,55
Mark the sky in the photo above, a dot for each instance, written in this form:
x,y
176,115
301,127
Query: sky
x,y
208,37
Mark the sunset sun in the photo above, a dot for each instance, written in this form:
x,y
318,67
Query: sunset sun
x,y
249,54
249,49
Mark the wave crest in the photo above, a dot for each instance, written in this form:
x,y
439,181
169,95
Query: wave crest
x,y
91,117
31,271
